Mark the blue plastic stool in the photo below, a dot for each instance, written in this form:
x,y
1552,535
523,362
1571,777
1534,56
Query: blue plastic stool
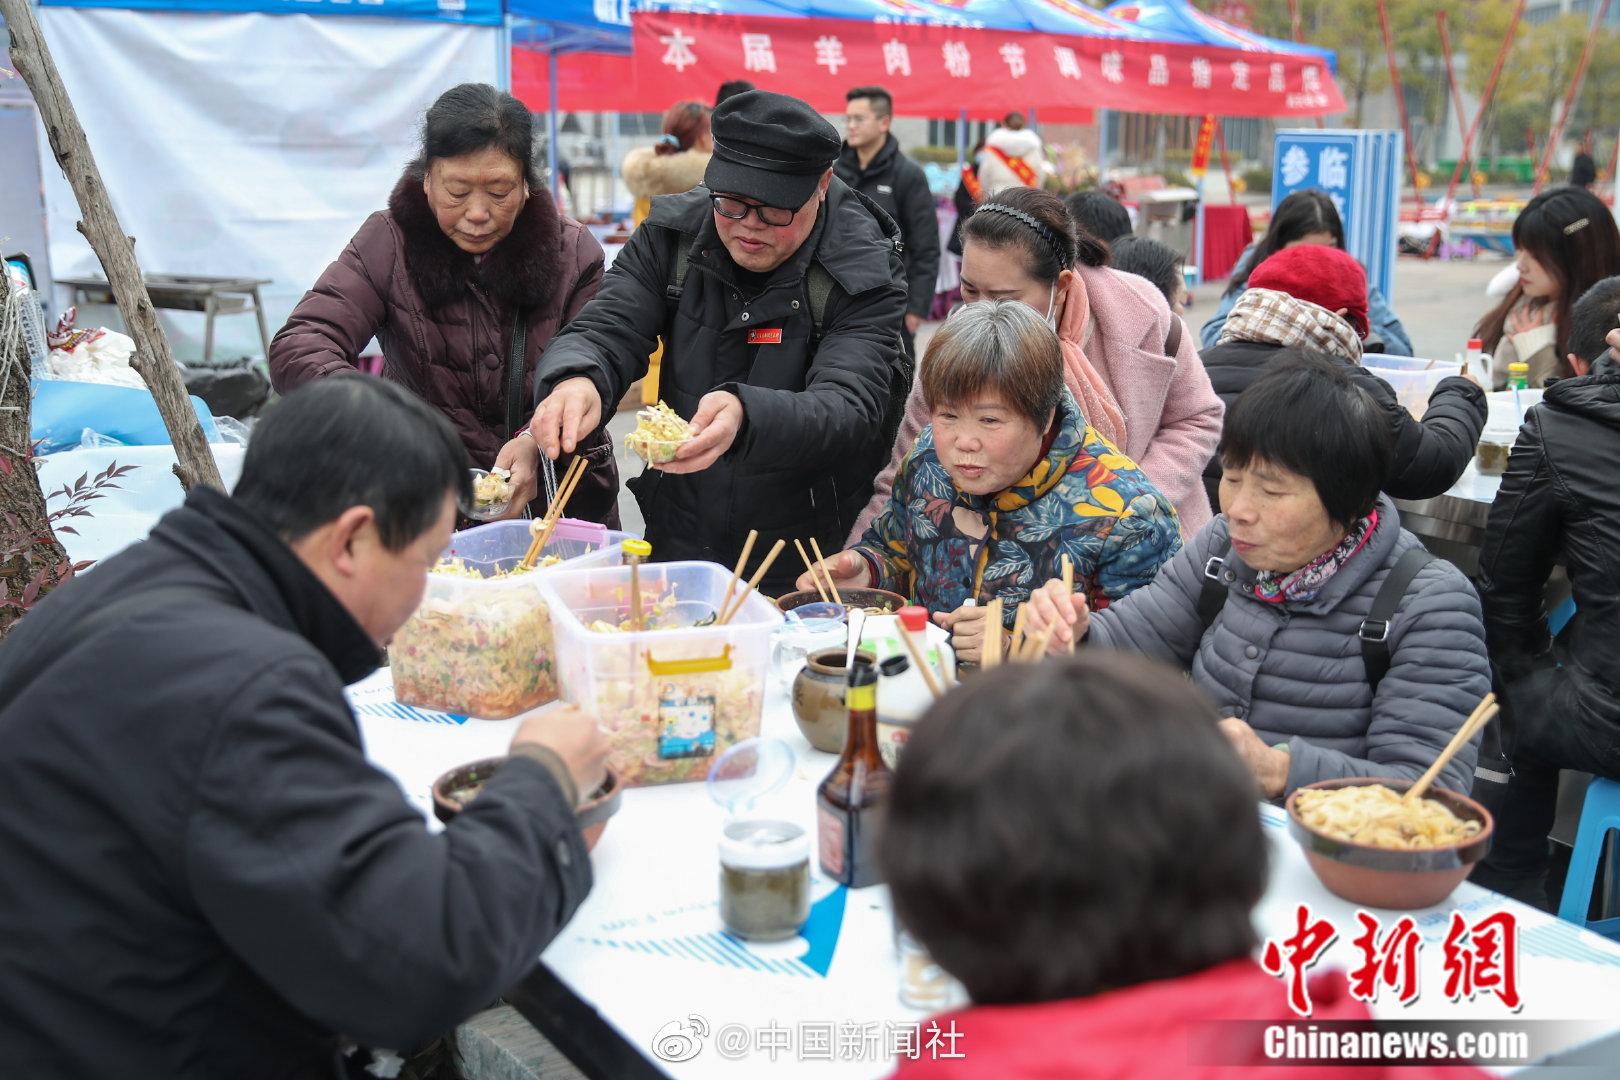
x,y
1599,814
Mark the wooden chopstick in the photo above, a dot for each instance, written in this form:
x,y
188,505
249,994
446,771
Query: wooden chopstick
x,y
1068,589
753,583
992,634
536,544
810,567
1035,647
832,586
1016,652
1482,714
921,662
554,513
742,563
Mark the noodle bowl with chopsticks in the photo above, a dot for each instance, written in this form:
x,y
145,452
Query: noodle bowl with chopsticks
x,y
1376,816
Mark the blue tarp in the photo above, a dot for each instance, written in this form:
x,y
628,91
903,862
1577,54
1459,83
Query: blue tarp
x,y
467,12
62,411
1177,20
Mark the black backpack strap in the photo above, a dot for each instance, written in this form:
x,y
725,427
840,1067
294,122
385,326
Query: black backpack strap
x,y
1374,632
818,285
1212,594
683,261
60,646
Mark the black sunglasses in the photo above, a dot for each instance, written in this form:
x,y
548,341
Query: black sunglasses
x,y
736,210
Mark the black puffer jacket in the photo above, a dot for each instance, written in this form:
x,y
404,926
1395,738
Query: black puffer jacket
x,y
898,184
1560,504
818,416
1429,455
211,880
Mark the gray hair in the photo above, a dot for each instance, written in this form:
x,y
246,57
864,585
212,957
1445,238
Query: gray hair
x,y
1003,345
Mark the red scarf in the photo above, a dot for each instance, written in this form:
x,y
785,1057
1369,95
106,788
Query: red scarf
x,y
970,180
1020,168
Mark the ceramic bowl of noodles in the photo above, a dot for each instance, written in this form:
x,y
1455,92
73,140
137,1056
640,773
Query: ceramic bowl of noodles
x,y
875,601
1368,847
461,785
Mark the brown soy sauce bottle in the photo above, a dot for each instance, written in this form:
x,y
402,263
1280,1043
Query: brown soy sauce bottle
x,y
847,800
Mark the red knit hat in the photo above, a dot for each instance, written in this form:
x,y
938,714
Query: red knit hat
x,y
1320,275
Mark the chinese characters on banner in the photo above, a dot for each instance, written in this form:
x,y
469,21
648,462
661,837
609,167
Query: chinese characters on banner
x,y
1360,172
1477,959
1206,139
947,68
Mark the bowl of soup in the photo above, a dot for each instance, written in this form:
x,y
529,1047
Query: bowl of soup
x,y
1369,847
464,783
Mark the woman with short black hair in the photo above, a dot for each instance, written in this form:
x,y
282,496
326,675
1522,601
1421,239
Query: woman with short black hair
x,y
1332,643
1057,914
1089,872
463,280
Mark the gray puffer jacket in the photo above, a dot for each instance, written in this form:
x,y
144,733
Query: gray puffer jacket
x,y
1294,671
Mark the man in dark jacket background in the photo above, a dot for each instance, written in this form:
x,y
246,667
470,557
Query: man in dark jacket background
x,y
1558,504
871,162
776,291
203,876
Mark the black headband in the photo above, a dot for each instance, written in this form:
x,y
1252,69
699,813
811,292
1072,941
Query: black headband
x,y
1065,257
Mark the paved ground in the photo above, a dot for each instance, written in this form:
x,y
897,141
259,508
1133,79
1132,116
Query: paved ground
x,y
1437,302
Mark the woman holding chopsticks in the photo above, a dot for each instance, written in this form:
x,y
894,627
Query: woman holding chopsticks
x,y
1332,643
1005,482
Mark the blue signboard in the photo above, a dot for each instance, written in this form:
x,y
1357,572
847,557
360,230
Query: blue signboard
x,y
1360,172
470,12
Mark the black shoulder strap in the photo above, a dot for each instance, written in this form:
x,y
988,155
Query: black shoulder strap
x,y
677,277
1172,343
1374,632
81,631
819,284
1212,594
515,365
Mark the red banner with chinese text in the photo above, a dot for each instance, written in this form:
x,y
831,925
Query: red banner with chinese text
x,y
937,71
1206,139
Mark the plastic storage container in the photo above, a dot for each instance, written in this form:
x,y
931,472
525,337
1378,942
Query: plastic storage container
x,y
1391,362
673,697
1411,381
482,646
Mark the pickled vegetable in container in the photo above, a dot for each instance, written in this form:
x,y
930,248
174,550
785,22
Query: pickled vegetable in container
x,y
481,642
679,693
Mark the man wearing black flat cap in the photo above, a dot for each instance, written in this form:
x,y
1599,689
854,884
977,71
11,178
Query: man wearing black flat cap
x,y
778,292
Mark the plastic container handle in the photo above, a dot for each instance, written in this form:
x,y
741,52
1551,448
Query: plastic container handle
x,y
695,666
575,529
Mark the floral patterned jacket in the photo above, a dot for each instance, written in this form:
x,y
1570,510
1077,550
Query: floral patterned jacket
x,y
939,546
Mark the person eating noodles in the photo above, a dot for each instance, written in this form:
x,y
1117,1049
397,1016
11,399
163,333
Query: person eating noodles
x,y
1333,644
1006,480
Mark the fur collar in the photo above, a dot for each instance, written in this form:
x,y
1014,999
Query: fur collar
x,y
647,173
521,271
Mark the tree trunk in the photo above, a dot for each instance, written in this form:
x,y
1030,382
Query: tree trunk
x,y
32,562
115,250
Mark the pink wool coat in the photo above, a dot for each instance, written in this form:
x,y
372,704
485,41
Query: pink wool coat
x,y
1172,414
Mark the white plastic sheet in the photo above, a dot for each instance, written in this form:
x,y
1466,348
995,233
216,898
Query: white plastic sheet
x,y
127,514
245,144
